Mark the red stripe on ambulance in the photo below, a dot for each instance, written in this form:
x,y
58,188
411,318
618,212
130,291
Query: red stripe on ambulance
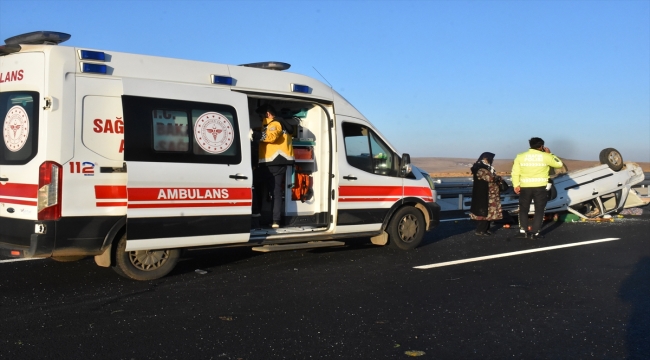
x,y
382,193
189,205
373,199
19,190
417,191
18,202
110,192
369,194
370,191
201,194
140,198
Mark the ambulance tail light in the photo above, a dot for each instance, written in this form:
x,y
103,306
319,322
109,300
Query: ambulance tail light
x,y
49,191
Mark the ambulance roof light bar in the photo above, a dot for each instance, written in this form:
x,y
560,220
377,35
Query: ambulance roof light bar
x,y
9,49
38,37
269,65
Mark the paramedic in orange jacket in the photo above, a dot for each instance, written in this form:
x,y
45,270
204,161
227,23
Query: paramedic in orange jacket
x,y
275,153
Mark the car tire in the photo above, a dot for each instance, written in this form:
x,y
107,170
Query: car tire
x,y
612,158
67,258
406,228
144,264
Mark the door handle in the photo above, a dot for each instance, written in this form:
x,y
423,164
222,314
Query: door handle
x,y
4,179
350,177
238,177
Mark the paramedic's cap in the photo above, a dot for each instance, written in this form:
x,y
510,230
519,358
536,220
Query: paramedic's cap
x,y
536,143
263,109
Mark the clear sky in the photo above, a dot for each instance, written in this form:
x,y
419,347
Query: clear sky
x,y
438,78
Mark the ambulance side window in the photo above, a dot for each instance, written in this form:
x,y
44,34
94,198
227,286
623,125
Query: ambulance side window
x,y
366,151
170,130
167,130
19,122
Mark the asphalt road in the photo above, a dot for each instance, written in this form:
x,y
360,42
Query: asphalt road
x,y
355,302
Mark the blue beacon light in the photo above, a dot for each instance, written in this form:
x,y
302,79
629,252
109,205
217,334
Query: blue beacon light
x,y
94,68
92,55
300,88
221,80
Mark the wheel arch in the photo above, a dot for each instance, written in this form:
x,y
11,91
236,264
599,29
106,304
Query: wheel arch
x,y
107,257
408,201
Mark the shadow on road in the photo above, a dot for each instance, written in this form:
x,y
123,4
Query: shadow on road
x,y
210,258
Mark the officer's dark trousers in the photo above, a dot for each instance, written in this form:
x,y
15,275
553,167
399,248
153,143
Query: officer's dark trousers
x,y
272,177
540,197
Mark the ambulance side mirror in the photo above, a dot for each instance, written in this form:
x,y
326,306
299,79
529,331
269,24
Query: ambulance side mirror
x,y
405,165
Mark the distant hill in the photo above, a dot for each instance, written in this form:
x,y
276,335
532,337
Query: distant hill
x,y
460,167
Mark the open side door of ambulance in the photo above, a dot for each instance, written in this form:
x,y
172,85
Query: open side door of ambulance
x,y
186,150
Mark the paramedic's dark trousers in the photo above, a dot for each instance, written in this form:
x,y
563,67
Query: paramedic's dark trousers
x,y
273,177
540,197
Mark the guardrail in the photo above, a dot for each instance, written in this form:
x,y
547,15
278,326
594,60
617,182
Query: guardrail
x,y
452,191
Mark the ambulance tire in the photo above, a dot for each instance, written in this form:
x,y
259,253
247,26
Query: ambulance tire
x,y
68,258
144,264
612,158
406,228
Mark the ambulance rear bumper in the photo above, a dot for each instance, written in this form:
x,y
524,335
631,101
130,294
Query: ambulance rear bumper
x,y
18,238
68,236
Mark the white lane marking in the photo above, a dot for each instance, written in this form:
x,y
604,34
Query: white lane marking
x,y
23,259
454,219
480,258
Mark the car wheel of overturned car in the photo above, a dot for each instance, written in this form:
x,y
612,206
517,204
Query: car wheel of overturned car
x,y
144,264
406,228
67,258
612,158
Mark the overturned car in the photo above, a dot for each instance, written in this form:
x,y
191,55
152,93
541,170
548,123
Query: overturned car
x,y
591,192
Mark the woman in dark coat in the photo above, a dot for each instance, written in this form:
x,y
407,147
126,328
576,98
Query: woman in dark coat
x,y
486,203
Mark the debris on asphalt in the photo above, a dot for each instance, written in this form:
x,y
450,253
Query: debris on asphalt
x,y
201,272
632,211
414,353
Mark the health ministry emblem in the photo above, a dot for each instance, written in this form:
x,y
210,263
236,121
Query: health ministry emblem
x,y
213,132
16,128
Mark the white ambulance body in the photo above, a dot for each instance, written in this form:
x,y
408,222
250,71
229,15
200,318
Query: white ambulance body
x,y
131,158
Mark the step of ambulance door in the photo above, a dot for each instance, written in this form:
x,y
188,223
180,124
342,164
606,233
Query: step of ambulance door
x,y
369,184
189,175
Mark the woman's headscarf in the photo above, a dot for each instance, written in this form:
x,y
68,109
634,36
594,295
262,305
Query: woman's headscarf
x,y
479,164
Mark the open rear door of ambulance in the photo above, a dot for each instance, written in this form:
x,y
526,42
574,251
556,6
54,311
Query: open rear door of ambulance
x,y
187,156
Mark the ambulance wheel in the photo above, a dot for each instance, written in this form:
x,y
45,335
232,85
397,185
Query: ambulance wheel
x,y
144,264
406,229
67,258
612,158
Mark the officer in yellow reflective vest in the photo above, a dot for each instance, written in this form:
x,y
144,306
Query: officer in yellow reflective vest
x,y
530,179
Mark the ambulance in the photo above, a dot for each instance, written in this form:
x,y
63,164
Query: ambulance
x,y
134,159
